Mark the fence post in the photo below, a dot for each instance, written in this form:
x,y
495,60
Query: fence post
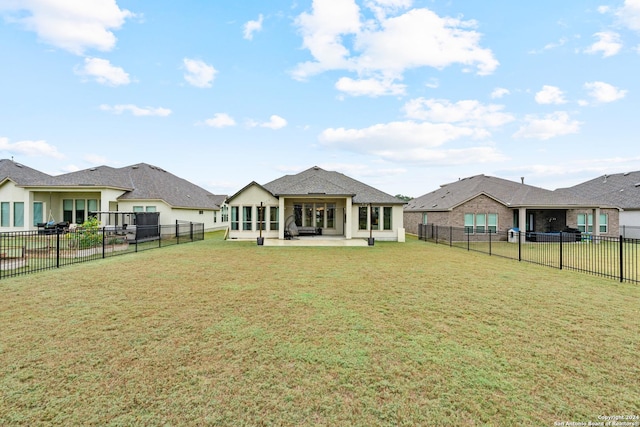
x,y
57,248
159,236
103,245
519,245
561,246
621,260
468,241
489,242
191,231
451,236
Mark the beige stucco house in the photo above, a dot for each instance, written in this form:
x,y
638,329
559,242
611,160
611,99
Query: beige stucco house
x,y
315,202
29,197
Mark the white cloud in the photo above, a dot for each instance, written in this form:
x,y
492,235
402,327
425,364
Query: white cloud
x,y
220,120
103,72
550,95
608,44
466,112
275,122
30,148
199,73
499,92
550,126
136,111
339,39
604,92
399,135
629,14
412,142
72,25
251,27
371,87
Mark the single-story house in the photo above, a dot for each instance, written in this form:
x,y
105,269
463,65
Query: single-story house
x,y
29,197
621,190
315,201
485,203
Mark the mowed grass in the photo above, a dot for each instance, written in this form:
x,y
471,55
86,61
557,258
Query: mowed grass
x,y
232,334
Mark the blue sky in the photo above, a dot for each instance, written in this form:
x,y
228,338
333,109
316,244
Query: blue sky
x,y
403,95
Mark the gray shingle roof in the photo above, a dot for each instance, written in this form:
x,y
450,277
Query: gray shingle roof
x,y
140,182
509,193
621,190
317,181
20,174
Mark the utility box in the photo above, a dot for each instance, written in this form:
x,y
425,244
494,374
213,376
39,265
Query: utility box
x,y
514,235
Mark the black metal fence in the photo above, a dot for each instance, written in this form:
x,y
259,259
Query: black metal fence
x,y
613,257
24,252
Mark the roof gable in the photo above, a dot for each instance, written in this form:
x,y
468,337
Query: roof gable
x,y
317,181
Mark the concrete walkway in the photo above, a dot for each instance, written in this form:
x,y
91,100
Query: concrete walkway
x,y
316,241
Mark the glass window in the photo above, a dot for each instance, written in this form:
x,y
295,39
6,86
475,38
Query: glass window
x,y
138,208
150,209
234,218
38,213
79,211
67,210
319,216
225,213
308,215
424,218
362,217
18,214
386,212
260,218
375,218
274,218
604,223
492,223
481,223
581,222
246,218
468,223
331,215
92,206
5,213
297,212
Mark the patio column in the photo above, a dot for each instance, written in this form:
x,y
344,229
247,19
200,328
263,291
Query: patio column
x,y
522,219
348,222
104,206
596,221
281,218
28,209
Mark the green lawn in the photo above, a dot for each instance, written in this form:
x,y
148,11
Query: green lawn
x,y
233,334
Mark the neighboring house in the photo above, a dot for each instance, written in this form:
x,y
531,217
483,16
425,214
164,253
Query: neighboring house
x,y
29,197
317,202
484,203
621,190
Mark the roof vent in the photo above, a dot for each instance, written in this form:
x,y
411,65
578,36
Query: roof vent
x,y
134,167
522,179
626,173
434,205
92,169
605,178
637,184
